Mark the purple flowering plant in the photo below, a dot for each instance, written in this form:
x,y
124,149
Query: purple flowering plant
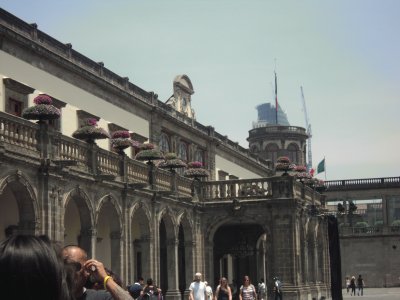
x,y
42,110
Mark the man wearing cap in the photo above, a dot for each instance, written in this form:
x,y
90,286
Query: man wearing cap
x,y
197,288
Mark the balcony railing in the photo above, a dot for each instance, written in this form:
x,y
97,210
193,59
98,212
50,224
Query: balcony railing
x,y
369,230
348,184
27,138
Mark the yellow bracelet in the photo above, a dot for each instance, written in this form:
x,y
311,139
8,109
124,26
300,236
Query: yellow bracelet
x,y
105,281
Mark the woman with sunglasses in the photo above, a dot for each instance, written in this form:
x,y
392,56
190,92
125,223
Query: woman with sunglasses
x,y
247,290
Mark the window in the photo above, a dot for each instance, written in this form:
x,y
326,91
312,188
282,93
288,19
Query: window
x,y
182,151
164,143
272,152
199,156
293,151
15,107
16,95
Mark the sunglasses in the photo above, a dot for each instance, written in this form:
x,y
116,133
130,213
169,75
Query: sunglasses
x,y
74,265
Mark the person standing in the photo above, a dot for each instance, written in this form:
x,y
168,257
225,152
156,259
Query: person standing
x,y
223,291
136,288
347,284
262,290
247,290
353,286
360,285
197,288
209,291
80,268
277,288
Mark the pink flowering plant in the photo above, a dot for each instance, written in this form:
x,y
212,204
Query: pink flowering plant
x,y
90,132
171,161
195,164
121,140
43,99
283,164
42,110
149,152
195,170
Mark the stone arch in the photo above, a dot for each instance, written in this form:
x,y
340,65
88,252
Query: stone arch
x,y
78,231
184,82
16,191
233,255
141,235
109,232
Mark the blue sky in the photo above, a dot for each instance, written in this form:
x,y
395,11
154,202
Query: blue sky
x,y
345,54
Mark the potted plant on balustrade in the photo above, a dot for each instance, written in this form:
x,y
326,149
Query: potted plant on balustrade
x,y
301,173
42,110
121,139
195,170
172,162
283,164
90,132
149,153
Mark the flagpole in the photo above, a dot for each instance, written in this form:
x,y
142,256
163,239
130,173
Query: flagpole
x,y
276,98
324,167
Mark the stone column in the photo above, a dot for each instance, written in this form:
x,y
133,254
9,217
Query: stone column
x,y
189,265
385,210
115,240
172,263
145,250
87,241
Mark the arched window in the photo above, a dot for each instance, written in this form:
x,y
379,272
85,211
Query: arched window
x,y
182,151
164,143
293,151
199,156
272,152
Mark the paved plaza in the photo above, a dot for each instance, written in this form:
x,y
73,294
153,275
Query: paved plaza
x,y
376,293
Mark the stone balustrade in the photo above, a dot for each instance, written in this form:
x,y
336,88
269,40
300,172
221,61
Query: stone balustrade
x,y
369,230
21,133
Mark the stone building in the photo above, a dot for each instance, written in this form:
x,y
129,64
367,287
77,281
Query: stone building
x,y
136,218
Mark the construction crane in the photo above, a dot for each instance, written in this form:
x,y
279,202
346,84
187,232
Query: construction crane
x,y
308,131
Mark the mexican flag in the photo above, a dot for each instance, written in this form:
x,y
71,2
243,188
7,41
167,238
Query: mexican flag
x,y
321,166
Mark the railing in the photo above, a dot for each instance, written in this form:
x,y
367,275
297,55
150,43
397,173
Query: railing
x,y
237,188
21,133
163,179
74,150
107,162
137,171
261,128
383,182
369,230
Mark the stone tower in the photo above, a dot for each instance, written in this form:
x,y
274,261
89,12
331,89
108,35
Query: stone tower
x,y
269,141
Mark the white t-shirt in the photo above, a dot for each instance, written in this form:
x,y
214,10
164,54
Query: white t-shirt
x,y
198,289
209,292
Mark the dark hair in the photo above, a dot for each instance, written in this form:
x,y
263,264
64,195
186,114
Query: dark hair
x,y
149,281
10,230
30,268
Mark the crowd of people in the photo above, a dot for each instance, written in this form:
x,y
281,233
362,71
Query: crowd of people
x,y
32,267
200,290
353,284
